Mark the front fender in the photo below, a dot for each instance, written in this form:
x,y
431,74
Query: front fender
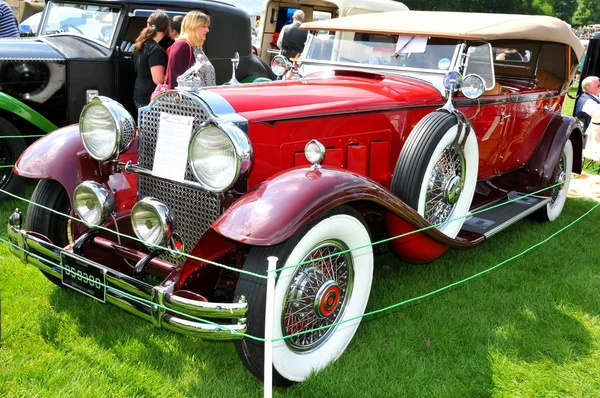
x,y
25,112
58,156
277,208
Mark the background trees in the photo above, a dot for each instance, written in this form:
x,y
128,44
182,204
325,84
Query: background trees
x,y
575,12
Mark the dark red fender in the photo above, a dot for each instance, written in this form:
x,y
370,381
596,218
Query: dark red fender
x,y
61,156
541,168
279,207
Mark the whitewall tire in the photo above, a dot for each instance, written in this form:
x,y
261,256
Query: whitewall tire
x,y
436,176
312,295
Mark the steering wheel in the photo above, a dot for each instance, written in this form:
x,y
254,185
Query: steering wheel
x,y
71,28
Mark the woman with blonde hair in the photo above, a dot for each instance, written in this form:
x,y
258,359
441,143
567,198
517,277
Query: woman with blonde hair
x,y
187,51
149,58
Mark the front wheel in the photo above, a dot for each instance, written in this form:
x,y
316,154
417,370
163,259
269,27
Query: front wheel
x,y
49,194
332,286
554,208
11,147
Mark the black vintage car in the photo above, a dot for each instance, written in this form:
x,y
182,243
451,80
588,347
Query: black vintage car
x,y
84,49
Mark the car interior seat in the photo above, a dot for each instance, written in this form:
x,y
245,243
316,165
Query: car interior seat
x,y
127,46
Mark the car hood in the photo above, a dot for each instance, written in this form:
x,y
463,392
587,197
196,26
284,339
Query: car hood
x,y
328,95
51,48
30,48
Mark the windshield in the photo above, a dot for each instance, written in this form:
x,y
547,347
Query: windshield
x,y
389,51
93,22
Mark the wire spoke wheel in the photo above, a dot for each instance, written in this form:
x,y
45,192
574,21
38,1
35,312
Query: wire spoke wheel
x,y
317,295
325,277
445,185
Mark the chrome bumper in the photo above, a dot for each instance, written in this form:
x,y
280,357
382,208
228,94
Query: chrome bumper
x,y
151,303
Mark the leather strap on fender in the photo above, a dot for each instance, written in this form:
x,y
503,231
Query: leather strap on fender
x,y
463,124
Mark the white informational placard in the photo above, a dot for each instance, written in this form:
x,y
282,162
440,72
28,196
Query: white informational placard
x,y
411,44
171,156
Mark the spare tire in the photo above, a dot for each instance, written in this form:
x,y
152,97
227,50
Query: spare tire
x,y
436,173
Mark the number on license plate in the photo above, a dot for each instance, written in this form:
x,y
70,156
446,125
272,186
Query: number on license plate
x,y
83,276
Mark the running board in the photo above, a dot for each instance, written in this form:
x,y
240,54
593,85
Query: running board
x,y
503,213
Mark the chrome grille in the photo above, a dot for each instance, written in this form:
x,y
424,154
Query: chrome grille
x,y
195,209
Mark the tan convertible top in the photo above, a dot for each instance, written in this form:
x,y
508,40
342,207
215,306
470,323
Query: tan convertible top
x,y
461,25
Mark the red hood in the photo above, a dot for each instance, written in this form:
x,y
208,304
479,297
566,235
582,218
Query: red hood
x,y
327,95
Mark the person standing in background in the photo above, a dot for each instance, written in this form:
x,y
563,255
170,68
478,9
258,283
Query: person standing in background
x,y
149,58
8,22
291,38
187,51
175,30
588,103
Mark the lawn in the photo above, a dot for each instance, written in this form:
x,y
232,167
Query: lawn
x,y
529,327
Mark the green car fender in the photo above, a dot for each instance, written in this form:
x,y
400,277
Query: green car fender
x,y
13,105
255,79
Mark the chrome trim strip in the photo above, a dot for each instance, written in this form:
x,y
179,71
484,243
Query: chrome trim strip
x,y
138,289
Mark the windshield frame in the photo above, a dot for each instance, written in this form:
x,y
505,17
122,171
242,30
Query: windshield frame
x,y
52,5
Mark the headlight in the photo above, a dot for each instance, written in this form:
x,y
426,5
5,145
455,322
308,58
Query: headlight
x,y
105,127
152,221
219,156
93,203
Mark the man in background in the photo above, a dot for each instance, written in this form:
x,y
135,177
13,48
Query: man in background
x,y
8,23
291,38
588,103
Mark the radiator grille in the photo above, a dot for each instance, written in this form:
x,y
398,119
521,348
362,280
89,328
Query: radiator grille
x,y
195,209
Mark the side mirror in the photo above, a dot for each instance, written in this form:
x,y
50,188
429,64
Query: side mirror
x,y
452,82
279,65
235,62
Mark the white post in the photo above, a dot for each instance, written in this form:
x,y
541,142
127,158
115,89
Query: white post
x,y
268,370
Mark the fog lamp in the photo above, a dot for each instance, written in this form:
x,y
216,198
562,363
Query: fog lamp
x,y
152,222
93,203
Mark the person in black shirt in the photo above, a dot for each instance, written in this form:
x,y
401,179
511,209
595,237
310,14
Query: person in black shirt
x,y
149,58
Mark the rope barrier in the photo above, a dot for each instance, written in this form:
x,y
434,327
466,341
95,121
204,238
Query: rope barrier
x,y
23,136
141,300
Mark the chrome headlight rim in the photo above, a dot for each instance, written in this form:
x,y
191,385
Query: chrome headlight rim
x,y
105,199
241,145
164,215
122,120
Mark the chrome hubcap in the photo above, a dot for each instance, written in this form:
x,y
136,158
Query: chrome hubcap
x,y
452,190
317,295
445,185
327,299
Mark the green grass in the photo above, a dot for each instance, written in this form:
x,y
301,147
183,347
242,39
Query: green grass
x,y
529,328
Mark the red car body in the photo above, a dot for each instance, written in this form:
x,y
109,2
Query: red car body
x,y
363,119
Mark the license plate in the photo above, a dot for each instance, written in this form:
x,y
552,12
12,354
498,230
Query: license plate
x,y
83,276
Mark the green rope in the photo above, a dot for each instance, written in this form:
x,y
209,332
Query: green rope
x,y
371,313
393,306
22,136
135,298
7,166
174,252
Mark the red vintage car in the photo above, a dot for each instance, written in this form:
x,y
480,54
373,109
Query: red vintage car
x,y
447,124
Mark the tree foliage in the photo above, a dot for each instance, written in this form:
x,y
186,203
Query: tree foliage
x,y
576,12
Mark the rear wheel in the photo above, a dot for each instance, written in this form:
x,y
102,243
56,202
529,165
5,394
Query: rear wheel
x,y
10,150
49,194
554,208
319,293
